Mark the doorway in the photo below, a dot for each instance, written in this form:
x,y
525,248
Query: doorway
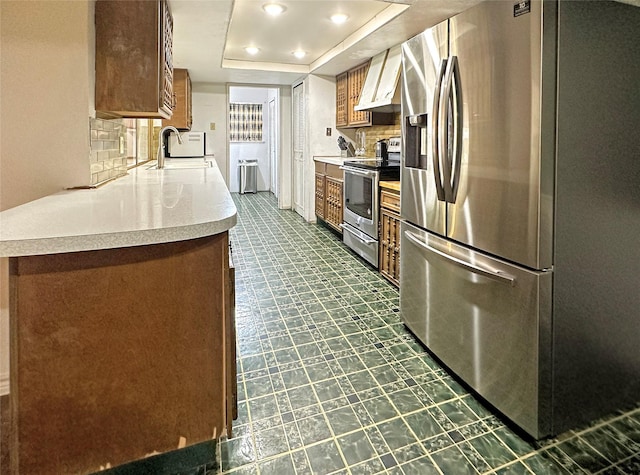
x,y
273,147
262,118
299,134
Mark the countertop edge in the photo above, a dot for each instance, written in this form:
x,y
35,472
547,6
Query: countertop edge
x,y
98,242
24,242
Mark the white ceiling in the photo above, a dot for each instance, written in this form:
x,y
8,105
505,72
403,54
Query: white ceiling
x,y
210,36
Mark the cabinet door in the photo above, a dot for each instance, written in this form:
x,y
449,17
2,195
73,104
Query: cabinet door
x,y
320,189
342,117
389,264
166,60
334,202
133,59
356,78
181,118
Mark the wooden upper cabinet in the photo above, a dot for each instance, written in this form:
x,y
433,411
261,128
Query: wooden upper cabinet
x,y
348,88
181,118
356,81
342,111
134,62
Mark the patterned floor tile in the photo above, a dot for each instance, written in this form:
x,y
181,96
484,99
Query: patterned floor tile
x,y
331,382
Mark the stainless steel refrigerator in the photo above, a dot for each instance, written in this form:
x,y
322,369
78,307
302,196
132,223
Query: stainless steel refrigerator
x,y
520,199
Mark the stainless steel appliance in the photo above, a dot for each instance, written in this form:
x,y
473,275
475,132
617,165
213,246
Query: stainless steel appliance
x,y
193,145
381,150
361,203
520,195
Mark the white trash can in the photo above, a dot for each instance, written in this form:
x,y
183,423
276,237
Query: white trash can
x,y
248,174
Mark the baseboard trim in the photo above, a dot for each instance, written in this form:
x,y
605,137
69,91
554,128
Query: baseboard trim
x,y
4,384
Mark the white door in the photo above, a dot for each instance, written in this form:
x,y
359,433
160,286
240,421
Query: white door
x,y
298,148
273,146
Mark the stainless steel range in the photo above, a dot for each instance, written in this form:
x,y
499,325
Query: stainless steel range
x,y
361,203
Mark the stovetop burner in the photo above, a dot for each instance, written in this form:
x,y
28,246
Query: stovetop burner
x,y
374,164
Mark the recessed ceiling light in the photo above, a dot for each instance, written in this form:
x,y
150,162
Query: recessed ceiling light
x,y
339,18
252,50
273,9
299,54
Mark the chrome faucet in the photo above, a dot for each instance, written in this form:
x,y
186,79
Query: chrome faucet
x,y
161,148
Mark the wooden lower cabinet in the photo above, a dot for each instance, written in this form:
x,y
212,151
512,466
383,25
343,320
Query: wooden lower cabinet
x,y
320,185
329,185
333,206
389,250
119,353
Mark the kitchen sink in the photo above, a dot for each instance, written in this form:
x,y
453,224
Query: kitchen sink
x,y
182,164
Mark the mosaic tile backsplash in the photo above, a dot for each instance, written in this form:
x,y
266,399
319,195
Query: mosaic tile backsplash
x,y
108,150
331,382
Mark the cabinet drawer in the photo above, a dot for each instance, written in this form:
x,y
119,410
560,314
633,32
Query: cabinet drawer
x,y
390,200
334,171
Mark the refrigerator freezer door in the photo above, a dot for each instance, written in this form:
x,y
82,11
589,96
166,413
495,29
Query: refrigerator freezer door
x,y
487,320
500,207
422,66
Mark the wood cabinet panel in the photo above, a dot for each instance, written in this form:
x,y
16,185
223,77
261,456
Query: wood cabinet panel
x,y
389,251
348,88
320,196
182,111
333,207
328,198
390,200
118,353
134,62
356,80
342,102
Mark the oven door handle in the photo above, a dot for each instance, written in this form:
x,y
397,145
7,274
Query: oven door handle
x,y
357,171
358,234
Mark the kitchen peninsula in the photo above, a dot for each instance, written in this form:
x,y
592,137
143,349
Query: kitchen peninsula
x,y
121,320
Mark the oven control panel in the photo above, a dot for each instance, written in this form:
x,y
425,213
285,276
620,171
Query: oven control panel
x,y
394,145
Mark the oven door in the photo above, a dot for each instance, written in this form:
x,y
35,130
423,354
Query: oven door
x,y
361,199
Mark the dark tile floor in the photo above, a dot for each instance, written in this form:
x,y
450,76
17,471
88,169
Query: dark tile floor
x,y
331,382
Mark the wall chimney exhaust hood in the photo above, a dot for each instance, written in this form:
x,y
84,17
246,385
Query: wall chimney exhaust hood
x,y
380,91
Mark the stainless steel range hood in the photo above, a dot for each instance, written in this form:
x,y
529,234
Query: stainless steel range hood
x,y
380,91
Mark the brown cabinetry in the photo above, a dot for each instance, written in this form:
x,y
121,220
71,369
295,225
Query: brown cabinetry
x,y
329,182
181,118
390,232
320,185
333,206
115,376
134,66
342,111
348,88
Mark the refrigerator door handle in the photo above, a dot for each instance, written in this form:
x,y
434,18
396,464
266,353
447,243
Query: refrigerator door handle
x,y
443,128
457,155
435,126
490,273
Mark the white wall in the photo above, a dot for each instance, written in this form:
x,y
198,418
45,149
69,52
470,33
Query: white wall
x,y
46,77
320,98
251,150
209,105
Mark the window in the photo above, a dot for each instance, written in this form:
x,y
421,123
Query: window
x,y
245,122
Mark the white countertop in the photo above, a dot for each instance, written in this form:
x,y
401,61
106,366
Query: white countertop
x,y
334,160
147,206
338,160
